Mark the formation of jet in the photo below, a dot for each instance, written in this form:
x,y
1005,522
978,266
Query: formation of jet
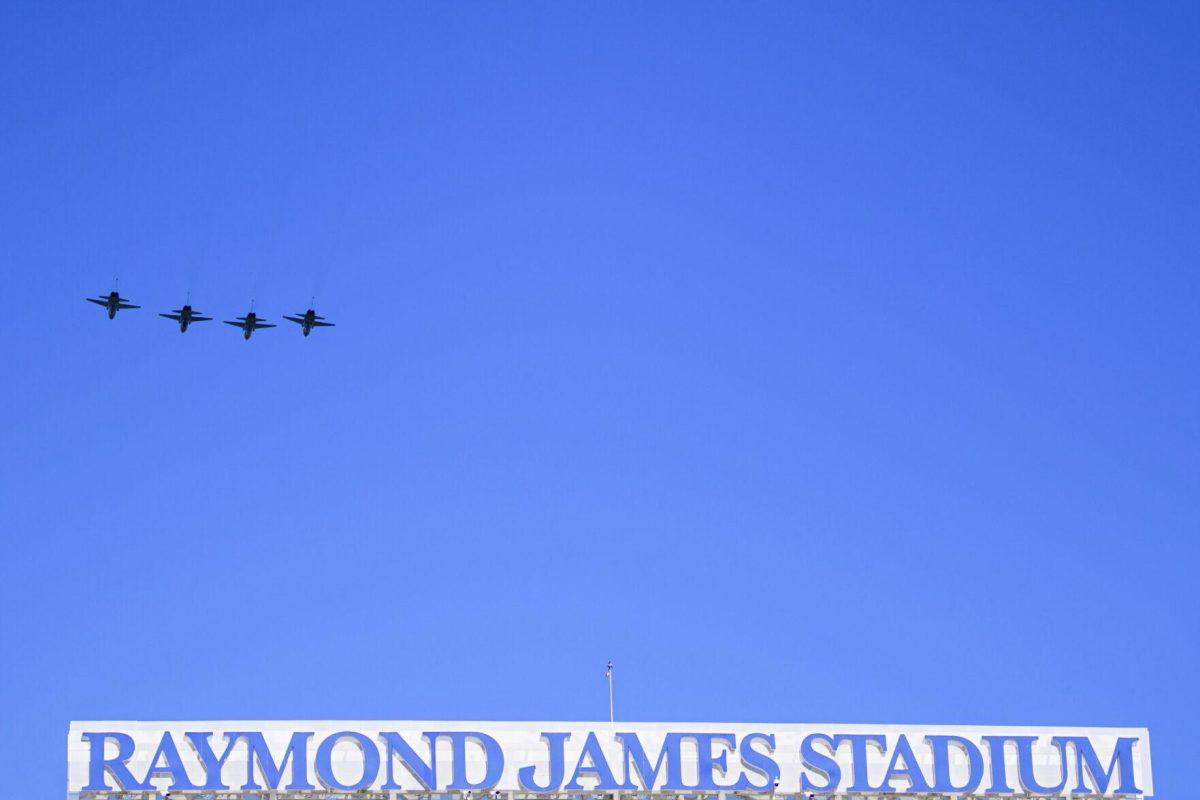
x,y
186,315
112,301
308,320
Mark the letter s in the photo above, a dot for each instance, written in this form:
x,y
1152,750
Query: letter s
x,y
758,762
820,762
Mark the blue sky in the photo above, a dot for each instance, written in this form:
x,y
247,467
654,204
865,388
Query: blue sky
x,y
813,362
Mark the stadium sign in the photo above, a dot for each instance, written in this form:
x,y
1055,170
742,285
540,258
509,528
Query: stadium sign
x,y
517,760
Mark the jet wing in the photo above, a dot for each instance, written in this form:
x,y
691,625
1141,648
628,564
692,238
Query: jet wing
x,y
324,324
127,305
97,302
234,324
258,325
293,319
199,319
171,316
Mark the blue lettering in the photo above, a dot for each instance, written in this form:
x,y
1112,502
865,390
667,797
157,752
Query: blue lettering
x,y
1025,756
707,764
858,749
826,765
493,758
599,767
554,743
98,765
212,765
257,751
1086,758
996,755
632,747
758,763
173,767
1025,762
911,770
941,764
370,761
426,774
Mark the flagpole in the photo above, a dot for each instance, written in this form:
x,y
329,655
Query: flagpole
x,y
608,673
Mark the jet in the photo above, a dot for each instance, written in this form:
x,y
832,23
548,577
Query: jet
x,y
308,320
112,301
185,316
249,324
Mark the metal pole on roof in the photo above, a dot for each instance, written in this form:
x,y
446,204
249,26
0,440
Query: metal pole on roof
x,y
608,674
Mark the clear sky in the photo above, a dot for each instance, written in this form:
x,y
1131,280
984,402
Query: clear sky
x,y
813,362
